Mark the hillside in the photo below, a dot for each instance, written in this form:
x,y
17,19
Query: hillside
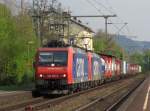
x,y
131,45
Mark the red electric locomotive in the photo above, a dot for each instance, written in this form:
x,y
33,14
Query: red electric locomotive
x,y
53,68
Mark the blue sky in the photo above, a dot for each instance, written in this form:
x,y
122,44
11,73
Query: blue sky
x,y
135,12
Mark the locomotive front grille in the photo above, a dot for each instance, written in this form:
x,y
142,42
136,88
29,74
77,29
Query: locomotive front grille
x,y
51,84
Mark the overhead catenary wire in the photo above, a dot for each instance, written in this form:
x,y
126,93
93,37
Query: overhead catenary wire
x,y
99,3
111,8
114,25
93,5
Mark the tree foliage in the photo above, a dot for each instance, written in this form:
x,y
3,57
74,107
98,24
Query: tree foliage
x,y
16,50
141,58
103,44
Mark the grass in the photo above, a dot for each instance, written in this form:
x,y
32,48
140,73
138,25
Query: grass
x,y
23,87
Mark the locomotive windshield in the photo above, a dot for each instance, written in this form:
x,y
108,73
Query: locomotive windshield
x,y
53,58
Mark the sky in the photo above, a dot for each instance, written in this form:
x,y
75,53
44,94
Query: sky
x,y
134,12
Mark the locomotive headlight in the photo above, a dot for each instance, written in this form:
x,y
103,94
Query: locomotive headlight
x,y
64,75
41,75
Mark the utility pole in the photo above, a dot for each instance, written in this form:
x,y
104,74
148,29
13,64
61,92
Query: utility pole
x,y
48,21
37,18
106,30
106,24
22,6
95,16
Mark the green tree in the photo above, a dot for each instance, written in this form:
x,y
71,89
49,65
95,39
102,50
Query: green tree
x,y
106,45
18,44
142,59
28,44
7,42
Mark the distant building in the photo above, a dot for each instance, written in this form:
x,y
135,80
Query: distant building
x,y
80,35
59,25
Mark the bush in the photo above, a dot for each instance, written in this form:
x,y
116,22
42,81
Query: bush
x,y
9,80
16,50
26,79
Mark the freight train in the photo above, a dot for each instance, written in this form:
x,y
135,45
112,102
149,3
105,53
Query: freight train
x,y
70,69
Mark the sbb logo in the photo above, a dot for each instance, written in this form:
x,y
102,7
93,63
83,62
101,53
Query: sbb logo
x,y
96,68
80,67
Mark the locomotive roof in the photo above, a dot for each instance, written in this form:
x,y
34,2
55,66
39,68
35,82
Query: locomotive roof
x,y
58,48
54,49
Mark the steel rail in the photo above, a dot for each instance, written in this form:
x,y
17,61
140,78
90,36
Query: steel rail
x,y
116,104
52,102
43,103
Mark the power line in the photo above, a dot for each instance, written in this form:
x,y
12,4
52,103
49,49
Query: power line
x,y
104,6
99,3
127,27
98,10
109,5
93,5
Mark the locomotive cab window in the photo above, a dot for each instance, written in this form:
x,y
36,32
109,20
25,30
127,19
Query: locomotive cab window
x,y
53,58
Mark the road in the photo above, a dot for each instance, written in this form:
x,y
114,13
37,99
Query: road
x,y
139,100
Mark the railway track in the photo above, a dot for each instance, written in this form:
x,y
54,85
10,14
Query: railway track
x,y
117,104
9,97
67,101
42,103
22,104
111,101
